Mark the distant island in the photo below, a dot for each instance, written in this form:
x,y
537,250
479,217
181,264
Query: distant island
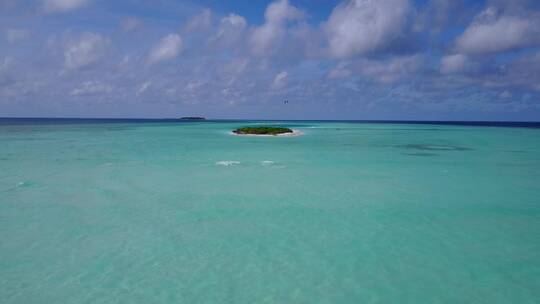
x,y
262,131
192,118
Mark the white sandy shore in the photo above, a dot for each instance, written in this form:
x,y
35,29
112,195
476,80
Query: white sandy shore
x,y
294,133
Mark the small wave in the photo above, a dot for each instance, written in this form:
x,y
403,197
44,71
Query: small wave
x,y
227,163
22,184
267,162
25,184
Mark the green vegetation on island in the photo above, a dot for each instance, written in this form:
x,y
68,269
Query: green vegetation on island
x,y
262,130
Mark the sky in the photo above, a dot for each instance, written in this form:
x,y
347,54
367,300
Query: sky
x,y
358,59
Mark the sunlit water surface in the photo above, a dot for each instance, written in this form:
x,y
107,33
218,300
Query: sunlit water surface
x,y
346,213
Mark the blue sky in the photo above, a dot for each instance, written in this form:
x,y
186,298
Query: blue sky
x,y
360,59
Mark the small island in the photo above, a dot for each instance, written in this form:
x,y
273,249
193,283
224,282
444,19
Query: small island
x,y
192,118
263,130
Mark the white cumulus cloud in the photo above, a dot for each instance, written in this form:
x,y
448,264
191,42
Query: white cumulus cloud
x,y
14,35
201,21
392,69
169,47
453,63
231,23
340,71
88,49
363,26
53,6
234,20
230,32
130,24
491,33
276,16
143,87
91,88
280,81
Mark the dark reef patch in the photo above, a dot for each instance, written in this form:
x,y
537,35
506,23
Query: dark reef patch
x,y
421,154
433,147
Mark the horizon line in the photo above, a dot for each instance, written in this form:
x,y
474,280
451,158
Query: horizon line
x,y
273,119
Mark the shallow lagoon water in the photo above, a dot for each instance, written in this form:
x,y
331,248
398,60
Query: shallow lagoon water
x,y
346,213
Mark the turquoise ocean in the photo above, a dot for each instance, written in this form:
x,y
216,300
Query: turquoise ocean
x,y
170,212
